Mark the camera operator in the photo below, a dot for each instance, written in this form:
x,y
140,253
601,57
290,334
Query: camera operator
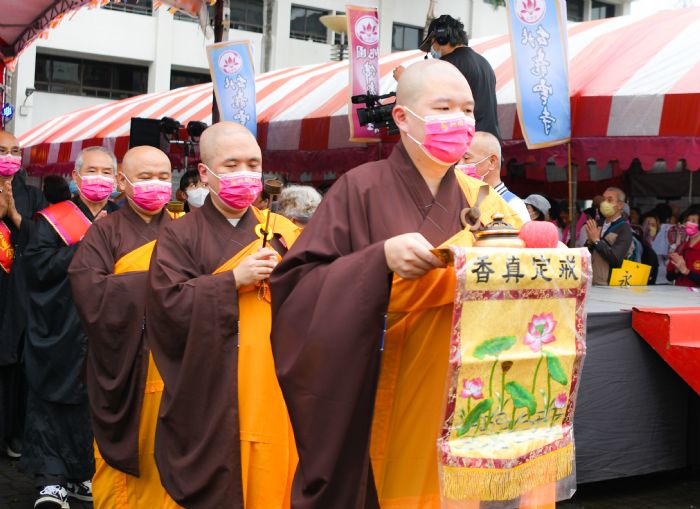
x,y
448,41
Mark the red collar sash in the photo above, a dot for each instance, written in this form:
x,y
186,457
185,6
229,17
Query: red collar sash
x,y
7,252
68,221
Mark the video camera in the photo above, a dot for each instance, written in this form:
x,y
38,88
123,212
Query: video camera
x,y
376,113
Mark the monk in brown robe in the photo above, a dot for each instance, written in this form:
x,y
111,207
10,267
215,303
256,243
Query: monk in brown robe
x,y
223,436
364,266
108,276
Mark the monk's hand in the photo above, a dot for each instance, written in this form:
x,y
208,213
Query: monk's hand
x,y
409,256
11,213
398,71
256,267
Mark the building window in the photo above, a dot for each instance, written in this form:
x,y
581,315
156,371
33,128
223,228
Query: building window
x,y
186,79
339,38
574,10
601,10
306,25
405,37
136,6
247,15
74,76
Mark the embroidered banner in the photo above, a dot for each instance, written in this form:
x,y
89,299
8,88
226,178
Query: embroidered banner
x,y
538,40
515,359
68,221
7,252
233,75
363,36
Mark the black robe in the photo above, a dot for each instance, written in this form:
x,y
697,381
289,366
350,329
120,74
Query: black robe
x,y
57,434
13,309
329,299
191,328
13,287
56,342
112,308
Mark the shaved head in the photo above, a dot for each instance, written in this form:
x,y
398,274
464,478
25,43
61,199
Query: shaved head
x,y
429,77
221,137
139,158
485,144
8,144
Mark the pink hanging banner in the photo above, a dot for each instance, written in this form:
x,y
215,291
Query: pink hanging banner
x,y
363,35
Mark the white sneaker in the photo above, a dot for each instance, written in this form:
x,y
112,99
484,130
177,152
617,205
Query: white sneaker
x,y
52,497
80,491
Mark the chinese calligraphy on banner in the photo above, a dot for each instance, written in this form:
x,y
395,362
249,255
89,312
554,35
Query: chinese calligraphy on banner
x,y
233,76
512,383
363,34
538,39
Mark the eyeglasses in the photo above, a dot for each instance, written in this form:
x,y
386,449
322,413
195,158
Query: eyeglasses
x,y
15,151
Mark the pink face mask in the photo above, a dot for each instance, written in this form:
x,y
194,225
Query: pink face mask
x,y
238,189
96,188
151,195
9,165
446,137
469,169
691,229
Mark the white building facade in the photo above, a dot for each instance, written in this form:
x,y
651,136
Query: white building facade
x,y
125,49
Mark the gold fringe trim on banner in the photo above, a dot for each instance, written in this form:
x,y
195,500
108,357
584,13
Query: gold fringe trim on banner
x,y
490,484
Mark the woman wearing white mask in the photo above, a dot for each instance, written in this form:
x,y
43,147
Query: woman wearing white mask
x,y
192,191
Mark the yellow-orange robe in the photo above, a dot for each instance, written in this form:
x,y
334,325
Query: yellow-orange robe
x,y
108,277
332,301
223,434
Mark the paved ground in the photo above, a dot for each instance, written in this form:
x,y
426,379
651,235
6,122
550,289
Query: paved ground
x,y
672,490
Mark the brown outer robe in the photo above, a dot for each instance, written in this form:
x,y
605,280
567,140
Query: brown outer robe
x,y
192,326
329,298
111,308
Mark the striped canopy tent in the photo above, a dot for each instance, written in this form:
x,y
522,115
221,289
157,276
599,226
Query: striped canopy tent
x,y
635,93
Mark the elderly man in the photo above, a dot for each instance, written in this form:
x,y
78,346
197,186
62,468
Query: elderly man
x,y
18,204
57,436
223,437
108,275
611,243
333,297
483,161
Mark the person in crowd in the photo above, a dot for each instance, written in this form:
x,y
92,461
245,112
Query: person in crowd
x,y
223,435
108,276
56,189
447,40
635,216
19,203
483,162
537,207
563,222
192,191
58,438
298,203
684,265
592,212
611,243
370,238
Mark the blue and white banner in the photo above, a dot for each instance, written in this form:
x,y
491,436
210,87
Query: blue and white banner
x,y
233,76
538,39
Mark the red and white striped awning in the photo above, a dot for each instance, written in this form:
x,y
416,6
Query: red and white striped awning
x,y
635,92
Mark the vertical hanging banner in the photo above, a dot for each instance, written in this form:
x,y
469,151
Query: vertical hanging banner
x,y
233,76
363,36
538,40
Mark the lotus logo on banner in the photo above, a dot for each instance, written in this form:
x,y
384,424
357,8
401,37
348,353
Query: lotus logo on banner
x,y
231,68
363,34
538,40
